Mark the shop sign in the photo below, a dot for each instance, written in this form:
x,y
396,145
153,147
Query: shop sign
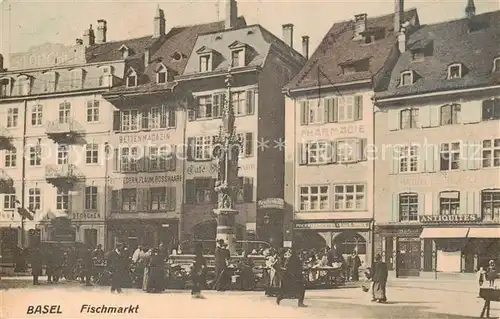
x,y
463,218
335,225
206,169
144,137
277,203
401,232
86,215
151,180
327,132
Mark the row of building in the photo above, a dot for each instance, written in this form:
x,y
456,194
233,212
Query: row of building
x,y
385,140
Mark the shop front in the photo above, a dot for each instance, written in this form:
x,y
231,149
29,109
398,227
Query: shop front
x,y
270,221
344,235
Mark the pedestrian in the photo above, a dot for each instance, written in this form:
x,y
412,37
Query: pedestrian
x,y
379,278
221,262
349,263
49,264
156,274
292,284
491,273
36,261
481,274
198,272
117,263
87,266
356,263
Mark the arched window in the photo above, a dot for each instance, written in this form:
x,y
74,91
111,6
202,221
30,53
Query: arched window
x,y
6,86
408,207
450,114
131,78
490,204
408,118
161,74
496,65
348,242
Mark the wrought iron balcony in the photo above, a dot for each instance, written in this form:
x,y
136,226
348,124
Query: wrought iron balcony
x,y
67,173
64,130
5,138
6,183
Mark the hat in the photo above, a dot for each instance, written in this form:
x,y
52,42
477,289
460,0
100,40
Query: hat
x,y
220,241
378,257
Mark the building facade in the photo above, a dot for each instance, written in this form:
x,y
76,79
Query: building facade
x,y
260,65
329,174
437,132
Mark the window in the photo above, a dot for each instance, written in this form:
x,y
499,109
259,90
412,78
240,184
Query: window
x,y
346,108
246,144
450,114
202,191
130,120
23,86
408,207
449,203
132,80
11,158
162,117
408,159
455,71
76,79
105,77
203,148
239,105
129,199
349,197
491,109
12,116
9,201
36,115
64,112
129,159
491,153
490,204
161,75
409,118
35,199
235,58
158,198
245,190
5,87
418,55
62,154
92,153
35,153
318,152
161,159
93,111
406,78
91,198
314,198
62,199
205,63
450,156
204,107
346,150
496,65
316,112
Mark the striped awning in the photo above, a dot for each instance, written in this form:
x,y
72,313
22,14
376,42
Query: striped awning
x,y
441,232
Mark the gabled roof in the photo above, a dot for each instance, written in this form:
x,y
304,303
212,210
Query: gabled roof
x,y
338,46
258,39
447,43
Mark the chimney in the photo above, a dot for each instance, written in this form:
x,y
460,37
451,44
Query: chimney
x,y
146,57
305,46
88,37
359,24
79,41
159,23
231,14
1,63
470,9
101,31
402,40
398,14
288,34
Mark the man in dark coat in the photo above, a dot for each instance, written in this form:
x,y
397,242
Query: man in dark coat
x,y
379,278
292,284
117,263
36,261
156,275
87,266
221,260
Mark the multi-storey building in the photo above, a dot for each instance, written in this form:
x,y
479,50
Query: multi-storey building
x,y
329,187
54,125
149,137
260,64
437,132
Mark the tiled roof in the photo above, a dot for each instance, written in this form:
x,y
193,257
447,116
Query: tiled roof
x,y
258,40
338,47
447,43
173,52
109,51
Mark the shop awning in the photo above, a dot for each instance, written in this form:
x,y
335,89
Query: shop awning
x,y
451,232
484,232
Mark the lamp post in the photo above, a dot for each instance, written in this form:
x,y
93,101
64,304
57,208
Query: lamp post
x,y
226,152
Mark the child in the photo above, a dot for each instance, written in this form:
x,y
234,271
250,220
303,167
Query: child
x,y
367,281
480,277
491,273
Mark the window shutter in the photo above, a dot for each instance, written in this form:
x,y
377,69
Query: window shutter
x,y
172,161
114,200
191,115
393,158
116,121
424,116
394,208
215,105
304,110
189,149
190,191
250,100
145,120
358,107
249,144
421,157
463,203
435,204
430,161
393,119
328,104
474,155
163,117
302,154
470,113
362,143
171,198
248,189
147,199
140,199
428,203
464,154
172,118
421,204
435,116
116,160
332,152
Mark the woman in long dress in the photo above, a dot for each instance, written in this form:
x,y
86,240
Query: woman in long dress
x,y
379,278
156,274
198,272
292,283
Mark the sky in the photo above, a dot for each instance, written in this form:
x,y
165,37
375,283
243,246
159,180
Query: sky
x,y
30,23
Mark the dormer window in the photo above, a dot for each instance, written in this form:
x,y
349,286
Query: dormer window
x,y
106,77
6,86
238,54
418,55
131,78
77,78
496,65
455,71
236,58
161,74
350,67
206,63
125,51
23,85
406,78
50,84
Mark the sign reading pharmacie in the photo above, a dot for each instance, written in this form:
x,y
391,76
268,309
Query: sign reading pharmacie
x,y
329,132
334,225
445,219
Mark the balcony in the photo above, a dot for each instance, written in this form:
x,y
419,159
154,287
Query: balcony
x,y
5,138
6,183
62,174
64,131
